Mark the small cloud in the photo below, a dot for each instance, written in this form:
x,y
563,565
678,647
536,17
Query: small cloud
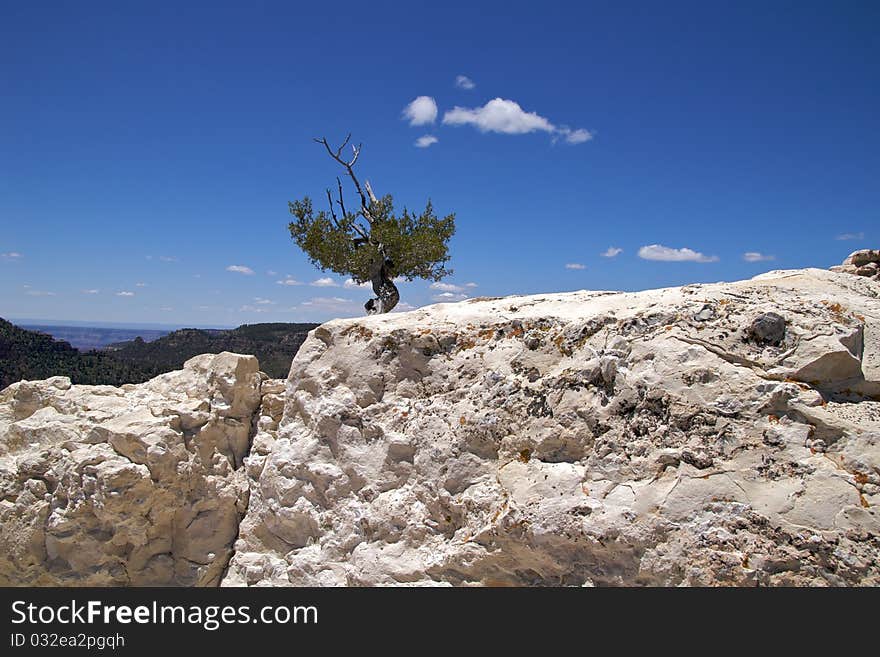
x,y
403,307
426,140
252,309
471,285
507,117
421,111
168,258
125,293
324,282
271,273
90,291
449,296
850,236
578,136
11,255
140,285
39,293
166,309
240,269
611,252
446,287
754,256
464,82
351,284
575,265
667,254
197,275
326,302
263,302
288,281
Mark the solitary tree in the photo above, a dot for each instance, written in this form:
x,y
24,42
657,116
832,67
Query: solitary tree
x,y
371,243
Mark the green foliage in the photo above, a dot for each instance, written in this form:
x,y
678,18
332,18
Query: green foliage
x,y
33,355
418,245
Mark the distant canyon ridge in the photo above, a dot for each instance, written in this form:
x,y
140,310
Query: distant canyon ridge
x,y
27,354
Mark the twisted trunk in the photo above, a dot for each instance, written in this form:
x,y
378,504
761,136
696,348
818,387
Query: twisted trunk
x,y
387,294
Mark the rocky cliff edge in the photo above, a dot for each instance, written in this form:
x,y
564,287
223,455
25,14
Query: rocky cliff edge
x,y
709,434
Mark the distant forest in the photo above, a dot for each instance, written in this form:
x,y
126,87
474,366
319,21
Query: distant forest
x,y
33,355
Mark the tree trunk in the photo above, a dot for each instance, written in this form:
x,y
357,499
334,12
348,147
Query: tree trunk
x,y
387,294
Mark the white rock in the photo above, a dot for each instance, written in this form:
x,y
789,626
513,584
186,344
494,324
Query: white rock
x,y
103,486
586,438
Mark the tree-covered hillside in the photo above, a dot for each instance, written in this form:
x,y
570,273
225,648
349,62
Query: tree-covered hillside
x,y
274,345
34,355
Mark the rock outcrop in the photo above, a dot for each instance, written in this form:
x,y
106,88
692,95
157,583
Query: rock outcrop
x,y
585,438
139,485
865,262
710,434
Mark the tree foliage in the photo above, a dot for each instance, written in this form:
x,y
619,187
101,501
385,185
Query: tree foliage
x,y
357,243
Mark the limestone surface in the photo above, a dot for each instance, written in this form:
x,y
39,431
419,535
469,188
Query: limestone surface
x,y
139,485
589,438
721,434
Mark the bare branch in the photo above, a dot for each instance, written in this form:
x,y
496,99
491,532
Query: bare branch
x,y
339,150
365,208
357,152
340,201
370,192
332,213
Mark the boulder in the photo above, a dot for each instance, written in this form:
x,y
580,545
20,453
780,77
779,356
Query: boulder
x,y
140,485
862,257
587,438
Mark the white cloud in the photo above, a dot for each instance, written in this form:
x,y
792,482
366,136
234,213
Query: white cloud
x,y
240,269
578,136
271,273
90,291
350,284
166,309
288,281
426,140
403,307
263,302
507,117
449,296
167,258
575,265
754,256
140,285
464,82
448,287
326,302
125,293
324,282
499,115
252,309
667,254
11,255
850,236
39,293
471,285
611,252
421,111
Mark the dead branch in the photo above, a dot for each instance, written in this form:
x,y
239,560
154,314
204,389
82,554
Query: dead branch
x,y
349,167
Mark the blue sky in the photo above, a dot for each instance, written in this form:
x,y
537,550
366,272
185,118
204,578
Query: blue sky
x,y
145,148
